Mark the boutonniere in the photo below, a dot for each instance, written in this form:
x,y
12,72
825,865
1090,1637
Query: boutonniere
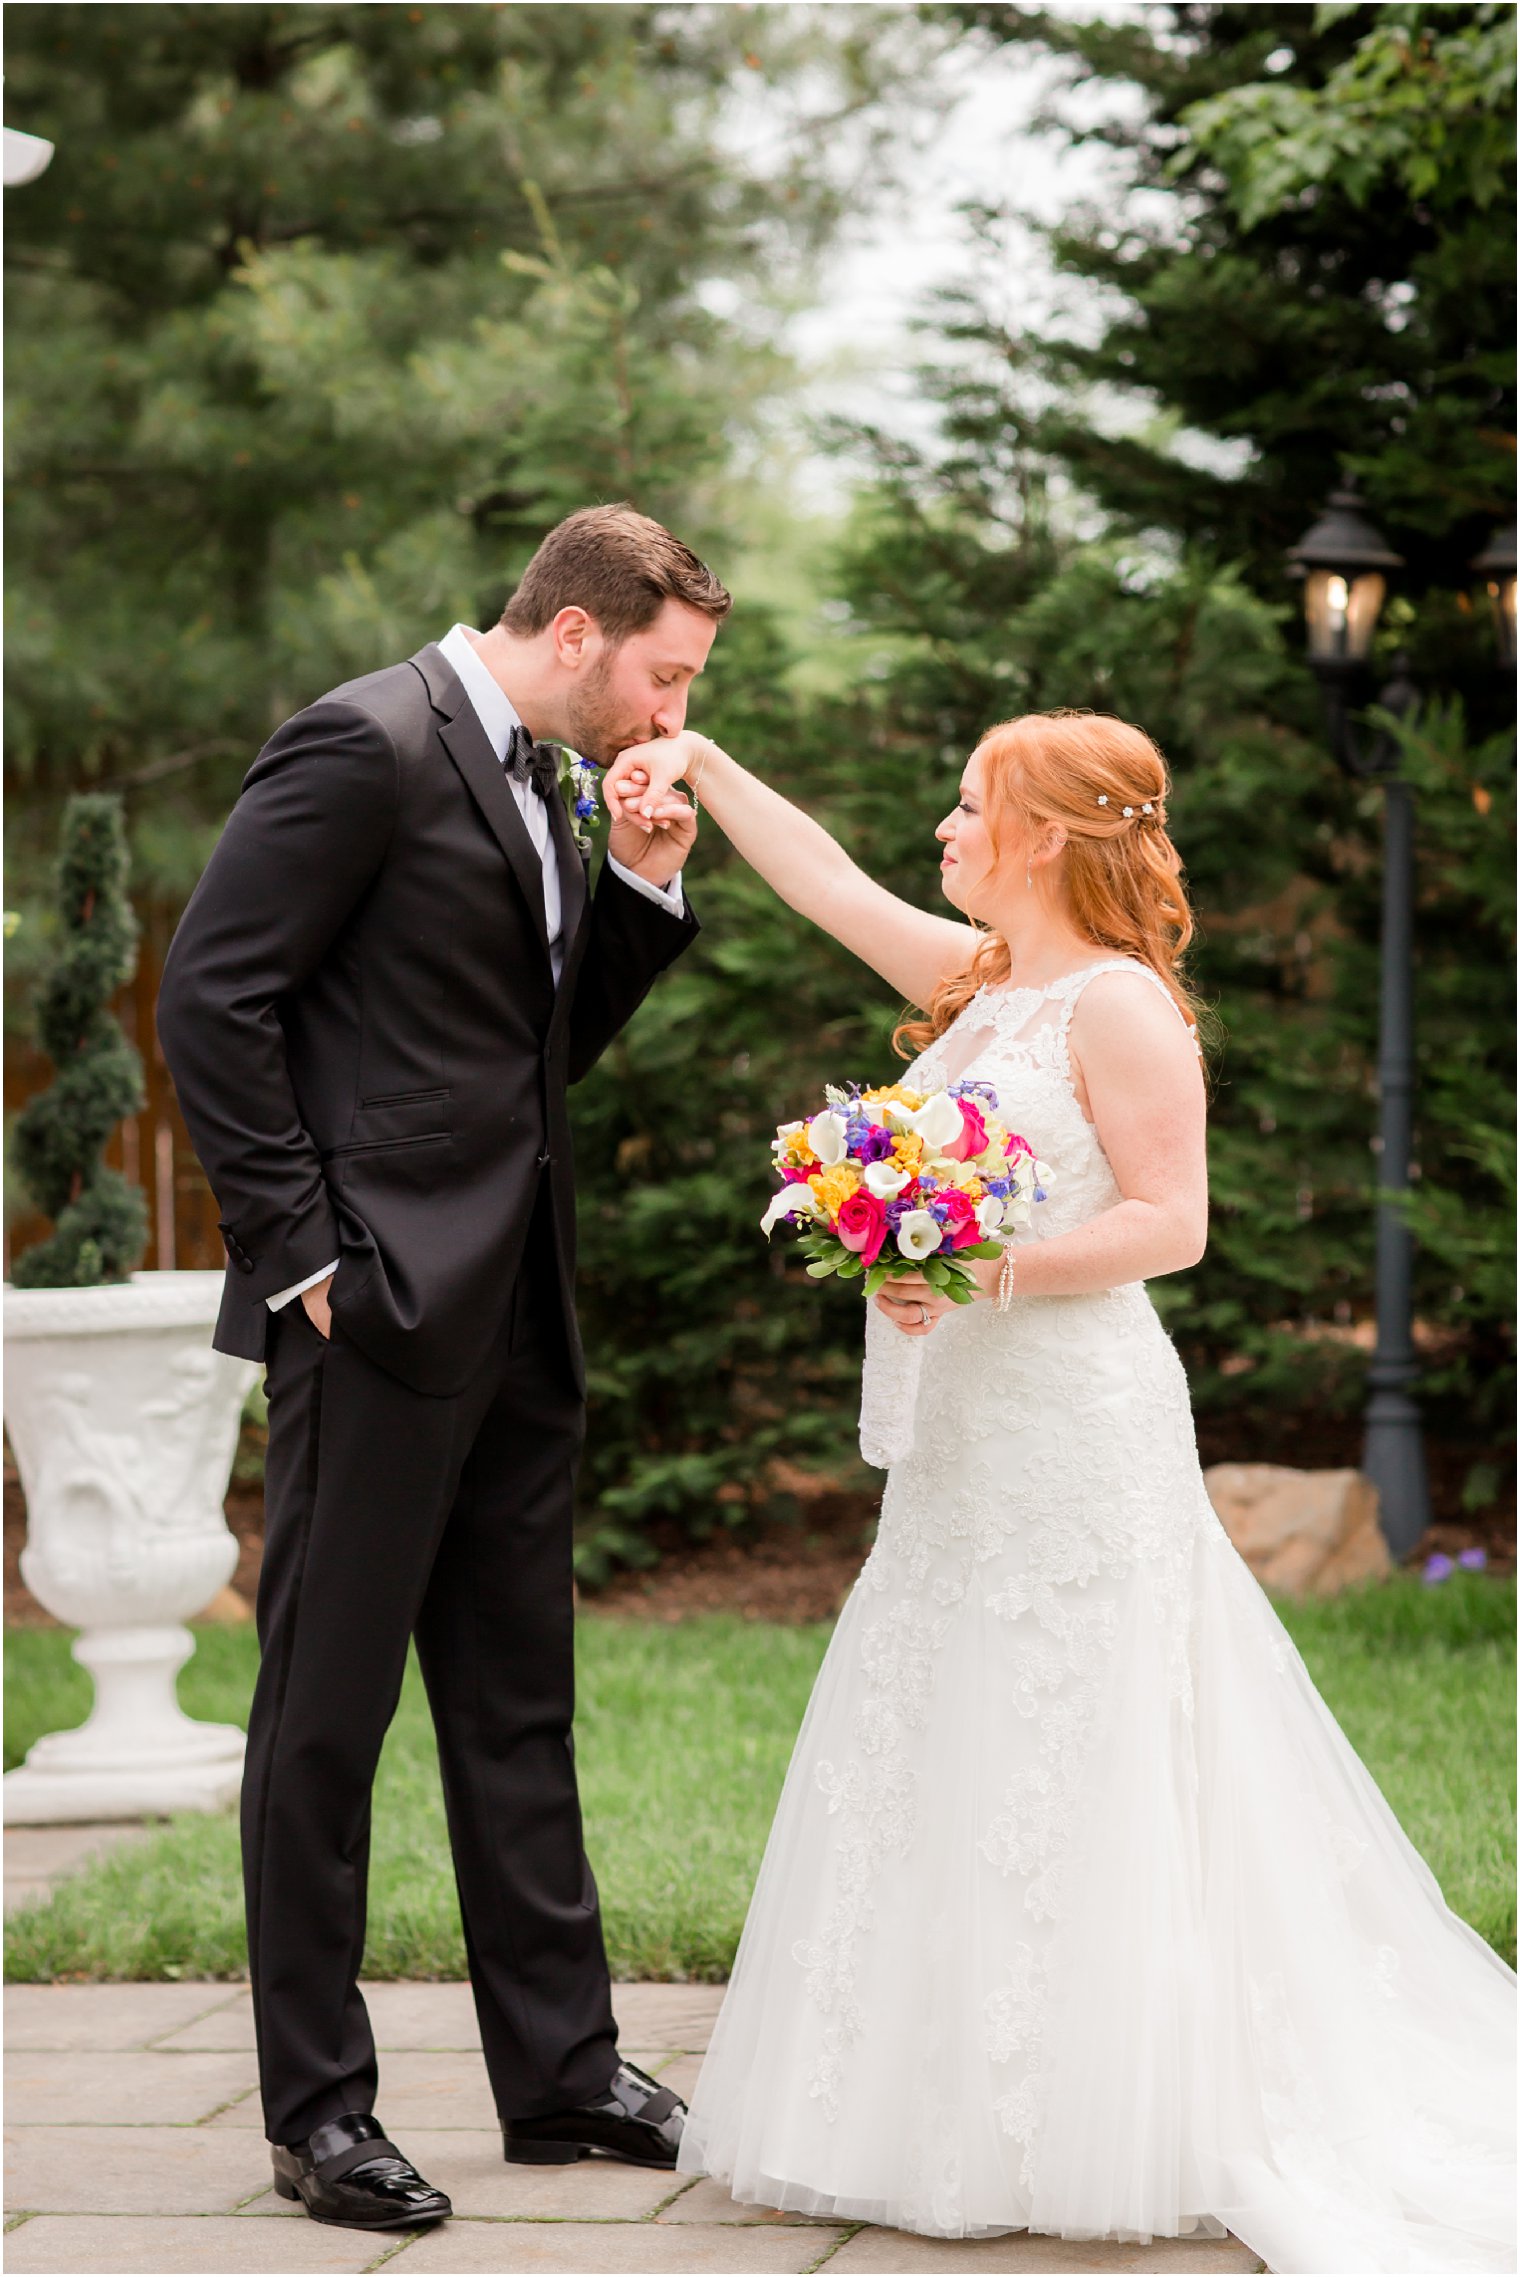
x,y
577,787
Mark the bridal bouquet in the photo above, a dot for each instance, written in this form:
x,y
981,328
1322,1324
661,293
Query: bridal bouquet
x,y
892,1182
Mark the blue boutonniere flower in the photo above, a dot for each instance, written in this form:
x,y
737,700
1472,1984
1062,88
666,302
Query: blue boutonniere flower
x,y
578,788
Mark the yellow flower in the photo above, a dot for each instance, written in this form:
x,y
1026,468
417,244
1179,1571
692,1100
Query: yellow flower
x,y
893,1094
973,1189
908,1151
834,1187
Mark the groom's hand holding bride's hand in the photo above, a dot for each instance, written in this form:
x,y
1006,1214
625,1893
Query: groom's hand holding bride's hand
x,y
640,783
654,838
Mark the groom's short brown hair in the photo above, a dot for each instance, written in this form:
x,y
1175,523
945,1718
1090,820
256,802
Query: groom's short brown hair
x,y
617,565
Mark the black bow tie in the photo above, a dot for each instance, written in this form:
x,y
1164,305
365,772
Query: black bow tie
x,y
530,762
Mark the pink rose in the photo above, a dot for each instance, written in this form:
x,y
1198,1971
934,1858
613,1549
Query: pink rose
x,y
1017,1145
961,1227
862,1225
795,1175
973,1138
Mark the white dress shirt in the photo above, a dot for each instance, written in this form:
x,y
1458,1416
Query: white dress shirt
x,y
498,716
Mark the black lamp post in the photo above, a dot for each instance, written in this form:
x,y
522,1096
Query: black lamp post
x,y
1344,560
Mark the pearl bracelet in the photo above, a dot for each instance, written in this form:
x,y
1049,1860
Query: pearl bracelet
x,y
1005,1279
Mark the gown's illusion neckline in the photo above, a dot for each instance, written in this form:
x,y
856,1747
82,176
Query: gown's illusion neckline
x,y
1012,1005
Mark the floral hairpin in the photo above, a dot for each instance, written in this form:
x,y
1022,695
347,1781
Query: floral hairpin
x,y
1148,807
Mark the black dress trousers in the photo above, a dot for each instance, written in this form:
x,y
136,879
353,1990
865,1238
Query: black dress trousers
x,y
389,1513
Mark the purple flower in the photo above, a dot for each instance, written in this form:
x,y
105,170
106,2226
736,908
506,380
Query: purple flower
x,y
1438,1567
1472,1561
868,1142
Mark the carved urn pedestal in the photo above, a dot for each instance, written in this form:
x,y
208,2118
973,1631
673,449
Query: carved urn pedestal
x,y
124,1424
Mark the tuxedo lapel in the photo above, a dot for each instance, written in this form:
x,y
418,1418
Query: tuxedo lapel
x,y
469,747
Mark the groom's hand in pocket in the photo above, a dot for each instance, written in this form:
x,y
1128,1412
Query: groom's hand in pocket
x,y
318,1309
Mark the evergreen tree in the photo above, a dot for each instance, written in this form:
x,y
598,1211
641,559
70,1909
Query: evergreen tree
x,y
322,315
1312,310
100,1222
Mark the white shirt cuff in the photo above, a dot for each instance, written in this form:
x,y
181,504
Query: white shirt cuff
x,y
286,1296
670,898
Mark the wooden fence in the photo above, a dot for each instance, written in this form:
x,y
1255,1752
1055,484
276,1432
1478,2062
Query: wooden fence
x,y
153,1150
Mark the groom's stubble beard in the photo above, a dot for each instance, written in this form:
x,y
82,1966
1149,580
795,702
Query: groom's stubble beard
x,y
599,727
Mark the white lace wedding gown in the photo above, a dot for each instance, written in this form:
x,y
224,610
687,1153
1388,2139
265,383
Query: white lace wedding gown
x,y
1079,1913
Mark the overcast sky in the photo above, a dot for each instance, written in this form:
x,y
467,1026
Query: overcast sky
x,y
971,141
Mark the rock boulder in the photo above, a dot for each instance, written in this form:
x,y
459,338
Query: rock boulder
x,y
1309,1533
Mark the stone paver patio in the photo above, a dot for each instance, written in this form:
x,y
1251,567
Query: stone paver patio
x,y
134,2142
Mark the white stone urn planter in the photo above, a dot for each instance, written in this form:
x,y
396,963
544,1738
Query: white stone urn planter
x,y
124,1424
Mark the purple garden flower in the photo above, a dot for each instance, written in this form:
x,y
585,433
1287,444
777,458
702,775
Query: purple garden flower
x,y
1438,1567
1473,1560
869,1142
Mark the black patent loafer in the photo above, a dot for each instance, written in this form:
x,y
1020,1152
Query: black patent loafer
x,y
636,2120
348,2174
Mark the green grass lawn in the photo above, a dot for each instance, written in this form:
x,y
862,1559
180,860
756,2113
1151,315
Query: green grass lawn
x,y
683,1739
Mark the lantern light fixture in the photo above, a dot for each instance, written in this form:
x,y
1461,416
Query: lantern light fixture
x,y
1496,566
1343,560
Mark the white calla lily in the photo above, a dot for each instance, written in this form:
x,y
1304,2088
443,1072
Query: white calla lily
x,y
918,1235
938,1120
826,1137
794,1201
885,1180
989,1213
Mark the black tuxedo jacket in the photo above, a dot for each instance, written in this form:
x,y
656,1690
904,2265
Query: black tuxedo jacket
x,y
360,1017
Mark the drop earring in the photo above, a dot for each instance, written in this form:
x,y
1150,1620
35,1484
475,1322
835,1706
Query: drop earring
x,y
1029,876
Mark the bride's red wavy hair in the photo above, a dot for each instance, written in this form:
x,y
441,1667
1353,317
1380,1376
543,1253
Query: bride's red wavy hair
x,y
1123,876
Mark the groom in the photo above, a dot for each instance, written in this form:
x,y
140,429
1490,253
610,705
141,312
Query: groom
x,y
381,987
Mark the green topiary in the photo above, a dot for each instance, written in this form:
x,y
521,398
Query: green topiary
x,y
100,1223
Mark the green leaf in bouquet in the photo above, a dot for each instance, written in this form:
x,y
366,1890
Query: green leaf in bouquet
x,y
821,1271
877,1278
850,1270
982,1249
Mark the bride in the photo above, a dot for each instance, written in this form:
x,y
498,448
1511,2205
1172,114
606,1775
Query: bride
x,y
1079,1913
